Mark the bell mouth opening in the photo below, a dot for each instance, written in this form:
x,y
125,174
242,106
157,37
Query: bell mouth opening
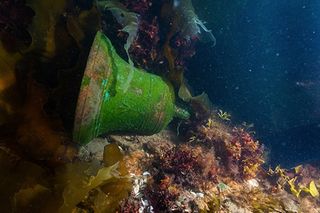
x,y
87,113
93,91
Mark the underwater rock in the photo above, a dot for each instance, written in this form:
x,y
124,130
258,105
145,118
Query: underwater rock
x,y
210,167
93,150
290,205
157,143
233,208
252,184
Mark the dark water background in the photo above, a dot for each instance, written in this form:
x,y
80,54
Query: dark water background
x,y
265,69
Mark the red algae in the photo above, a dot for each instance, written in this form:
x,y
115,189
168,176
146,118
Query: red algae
x,y
211,167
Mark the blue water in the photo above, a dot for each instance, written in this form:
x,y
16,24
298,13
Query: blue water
x,y
265,69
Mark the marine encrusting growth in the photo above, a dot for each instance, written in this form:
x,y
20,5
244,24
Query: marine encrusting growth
x,y
204,164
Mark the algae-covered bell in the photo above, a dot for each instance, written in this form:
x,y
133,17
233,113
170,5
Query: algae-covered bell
x,y
117,97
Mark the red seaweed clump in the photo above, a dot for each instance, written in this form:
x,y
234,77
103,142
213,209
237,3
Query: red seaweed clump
x,y
240,155
145,49
15,17
178,172
129,206
245,153
162,194
184,48
158,46
138,6
188,166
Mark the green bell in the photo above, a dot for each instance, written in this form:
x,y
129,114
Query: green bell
x,y
116,97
